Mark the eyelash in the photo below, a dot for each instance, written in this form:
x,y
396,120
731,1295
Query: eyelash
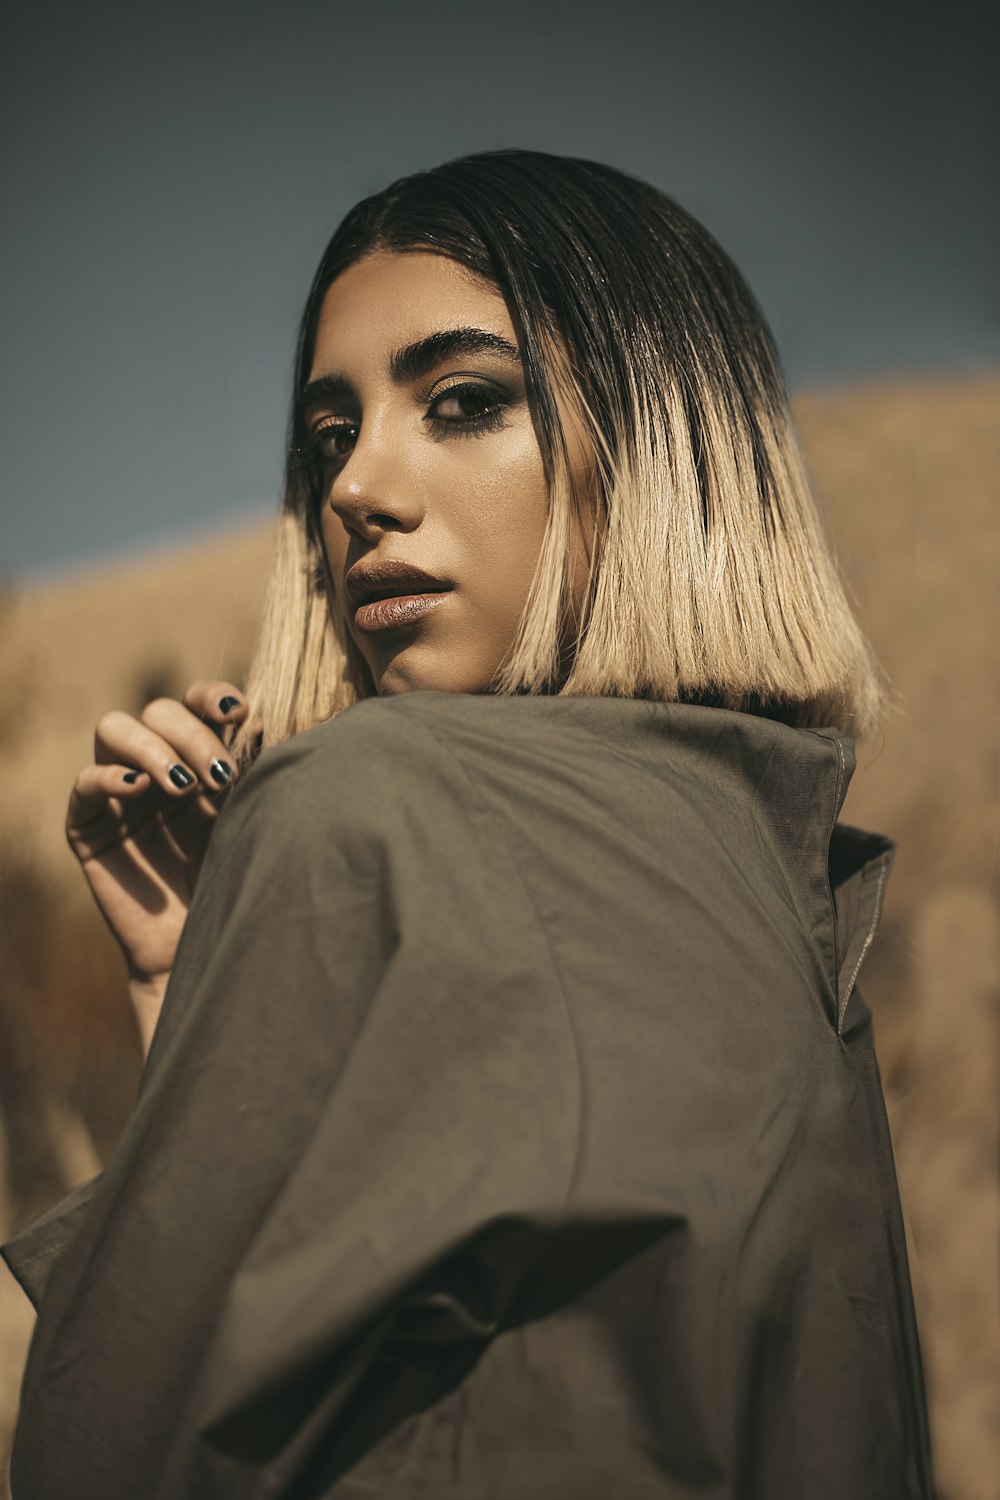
x,y
312,454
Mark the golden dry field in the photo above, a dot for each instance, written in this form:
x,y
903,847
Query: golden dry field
x,y
908,477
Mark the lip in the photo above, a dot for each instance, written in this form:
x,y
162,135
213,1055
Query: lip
x,y
388,593
396,611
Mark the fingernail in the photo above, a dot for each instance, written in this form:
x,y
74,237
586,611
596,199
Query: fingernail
x,y
131,777
180,777
221,773
228,703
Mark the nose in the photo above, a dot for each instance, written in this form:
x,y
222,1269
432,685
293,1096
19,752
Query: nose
x,y
373,492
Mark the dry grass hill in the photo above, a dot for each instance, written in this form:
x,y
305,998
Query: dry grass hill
x,y
907,474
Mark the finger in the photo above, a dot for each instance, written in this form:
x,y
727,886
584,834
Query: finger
x,y
121,740
97,802
216,700
95,785
195,741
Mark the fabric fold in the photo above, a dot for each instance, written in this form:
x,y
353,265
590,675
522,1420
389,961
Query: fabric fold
x,y
860,863
32,1252
499,1135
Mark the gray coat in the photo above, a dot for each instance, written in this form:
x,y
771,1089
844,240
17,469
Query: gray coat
x,y
512,1131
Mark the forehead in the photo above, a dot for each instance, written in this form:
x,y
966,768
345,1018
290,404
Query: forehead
x,y
393,298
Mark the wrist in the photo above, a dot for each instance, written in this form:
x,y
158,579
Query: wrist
x,y
147,995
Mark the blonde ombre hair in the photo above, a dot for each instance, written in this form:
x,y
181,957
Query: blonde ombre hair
x,y
710,578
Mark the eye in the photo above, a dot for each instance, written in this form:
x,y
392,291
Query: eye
x,y
333,440
466,410
460,411
328,445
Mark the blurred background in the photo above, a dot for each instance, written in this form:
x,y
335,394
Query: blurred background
x,y
171,175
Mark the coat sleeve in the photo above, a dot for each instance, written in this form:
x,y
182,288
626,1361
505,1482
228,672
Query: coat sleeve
x,y
32,1252
331,1150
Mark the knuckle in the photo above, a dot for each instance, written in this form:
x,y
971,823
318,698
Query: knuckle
x,y
108,723
157,710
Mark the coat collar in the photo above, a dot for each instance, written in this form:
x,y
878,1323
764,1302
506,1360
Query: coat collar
x,y
859,866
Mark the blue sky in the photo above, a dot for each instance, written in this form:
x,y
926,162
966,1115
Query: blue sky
x,y
171,175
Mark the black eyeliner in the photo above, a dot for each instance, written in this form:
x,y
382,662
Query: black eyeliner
x,y
310,454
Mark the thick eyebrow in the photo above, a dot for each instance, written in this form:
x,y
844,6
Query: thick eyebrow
x,y
414,360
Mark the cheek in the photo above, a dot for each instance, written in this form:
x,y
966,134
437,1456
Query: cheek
x,y
492,511
336,540
499,504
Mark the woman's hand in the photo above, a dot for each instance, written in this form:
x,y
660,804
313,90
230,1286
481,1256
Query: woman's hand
x,y
140,818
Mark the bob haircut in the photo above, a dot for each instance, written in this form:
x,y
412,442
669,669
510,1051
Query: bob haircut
x,y
710,577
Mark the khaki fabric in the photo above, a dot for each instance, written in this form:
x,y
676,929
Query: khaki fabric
x,y
512,1131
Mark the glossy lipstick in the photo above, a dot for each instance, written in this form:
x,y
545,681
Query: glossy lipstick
x,y
388,593
395,611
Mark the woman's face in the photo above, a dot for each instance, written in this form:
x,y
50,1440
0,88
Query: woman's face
x,y
417,414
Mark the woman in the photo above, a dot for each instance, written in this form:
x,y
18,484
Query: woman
x,y
512,1126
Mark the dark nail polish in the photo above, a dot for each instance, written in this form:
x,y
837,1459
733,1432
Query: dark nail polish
x,y
221,773
131,777
228,703
180,777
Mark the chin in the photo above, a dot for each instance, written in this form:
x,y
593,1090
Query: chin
x,y
401,676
